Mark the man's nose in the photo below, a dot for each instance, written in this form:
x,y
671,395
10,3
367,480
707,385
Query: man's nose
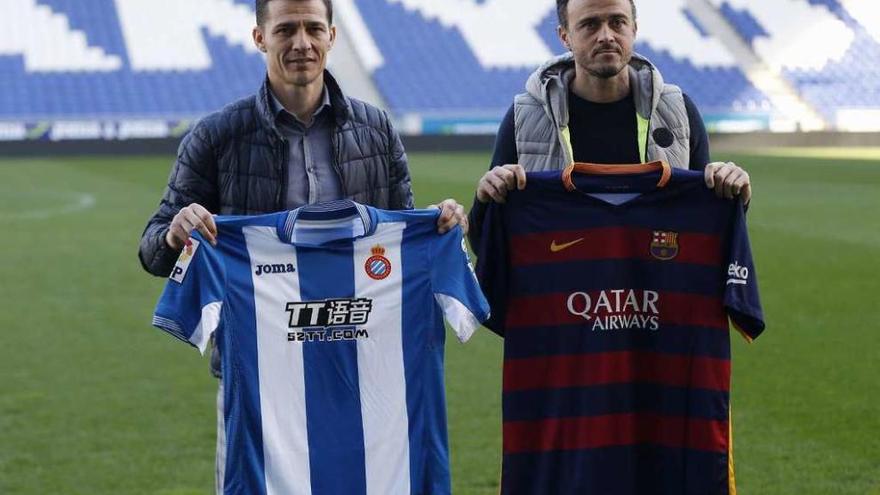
x,y
301,40
605,33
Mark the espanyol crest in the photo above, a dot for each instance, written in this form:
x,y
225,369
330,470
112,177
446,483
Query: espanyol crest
x,y
664,245
378,266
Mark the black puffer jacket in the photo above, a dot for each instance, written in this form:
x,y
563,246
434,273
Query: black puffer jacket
x,y
234,162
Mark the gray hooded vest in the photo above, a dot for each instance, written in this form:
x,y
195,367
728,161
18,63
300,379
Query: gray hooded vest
x,y
541,116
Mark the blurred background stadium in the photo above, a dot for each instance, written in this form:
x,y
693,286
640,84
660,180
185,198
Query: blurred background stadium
x,y
95,95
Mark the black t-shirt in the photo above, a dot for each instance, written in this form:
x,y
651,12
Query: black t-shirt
x,y
604,133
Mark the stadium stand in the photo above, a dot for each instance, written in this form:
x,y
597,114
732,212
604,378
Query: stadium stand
x,y
129,67
442,66
430,66
820,47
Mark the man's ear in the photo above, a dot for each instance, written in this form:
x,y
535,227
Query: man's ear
x,y
259,41
563,37
332,36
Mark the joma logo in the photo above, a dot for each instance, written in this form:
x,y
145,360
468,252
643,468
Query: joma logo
x,y
274,268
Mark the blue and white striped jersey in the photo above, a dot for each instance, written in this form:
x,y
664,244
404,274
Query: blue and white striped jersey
x,y
329,320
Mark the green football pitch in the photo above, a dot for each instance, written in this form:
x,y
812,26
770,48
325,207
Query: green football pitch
x,y
93,400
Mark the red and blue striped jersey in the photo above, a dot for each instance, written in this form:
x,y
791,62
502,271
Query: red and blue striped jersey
x,y
613,296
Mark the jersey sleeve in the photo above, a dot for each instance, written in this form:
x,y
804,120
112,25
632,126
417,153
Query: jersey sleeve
x,y
190,305
455,286
741,291
493,266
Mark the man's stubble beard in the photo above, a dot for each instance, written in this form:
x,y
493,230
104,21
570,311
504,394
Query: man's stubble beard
x,y
599,70
606,72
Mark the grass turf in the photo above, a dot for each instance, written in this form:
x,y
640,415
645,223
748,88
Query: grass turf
x,y
95,401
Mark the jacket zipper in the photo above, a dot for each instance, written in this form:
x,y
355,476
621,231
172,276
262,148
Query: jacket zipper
x,y
285,158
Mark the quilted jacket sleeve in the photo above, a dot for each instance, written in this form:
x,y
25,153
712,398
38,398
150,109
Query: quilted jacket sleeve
x,y
193,179
401,196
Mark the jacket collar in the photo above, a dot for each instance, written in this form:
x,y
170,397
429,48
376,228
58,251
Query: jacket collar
x,y
338,102
278,109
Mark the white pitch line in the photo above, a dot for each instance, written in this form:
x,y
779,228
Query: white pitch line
x,y
81,202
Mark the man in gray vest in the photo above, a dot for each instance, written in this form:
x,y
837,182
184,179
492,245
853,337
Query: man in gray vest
x,y
299,140
599,103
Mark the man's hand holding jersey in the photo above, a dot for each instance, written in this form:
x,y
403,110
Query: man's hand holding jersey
x,y
451,214
728,180
189,218
496,182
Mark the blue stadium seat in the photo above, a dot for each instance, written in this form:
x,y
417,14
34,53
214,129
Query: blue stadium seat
x,y
848,82
436,61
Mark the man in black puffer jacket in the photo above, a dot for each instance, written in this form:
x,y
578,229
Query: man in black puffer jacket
x,y
298,141
235,162
238,161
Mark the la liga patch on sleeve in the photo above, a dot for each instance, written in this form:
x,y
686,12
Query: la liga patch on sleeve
x,y
183,261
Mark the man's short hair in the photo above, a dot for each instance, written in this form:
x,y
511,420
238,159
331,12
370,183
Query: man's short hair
x,y
562,11
263,10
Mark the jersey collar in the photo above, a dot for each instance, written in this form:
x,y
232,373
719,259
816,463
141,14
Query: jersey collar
x,y
323,223
665,171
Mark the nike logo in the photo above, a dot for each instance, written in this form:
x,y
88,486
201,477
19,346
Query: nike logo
x,y
555,248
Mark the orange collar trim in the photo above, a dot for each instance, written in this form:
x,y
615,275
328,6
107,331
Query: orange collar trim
x,y
597,169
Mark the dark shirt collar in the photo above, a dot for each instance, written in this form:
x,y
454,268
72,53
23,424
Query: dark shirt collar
x,y
278,109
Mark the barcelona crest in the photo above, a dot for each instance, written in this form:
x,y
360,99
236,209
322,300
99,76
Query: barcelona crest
x,y
664,245
378,266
